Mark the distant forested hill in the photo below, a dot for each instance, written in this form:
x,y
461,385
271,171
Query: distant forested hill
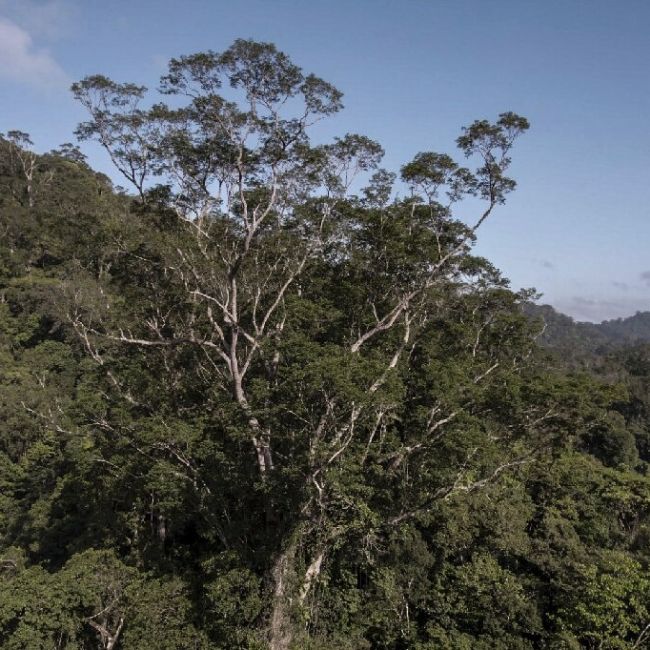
x,y
633,329
579,339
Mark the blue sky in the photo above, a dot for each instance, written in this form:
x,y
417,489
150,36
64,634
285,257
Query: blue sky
x,y
412,72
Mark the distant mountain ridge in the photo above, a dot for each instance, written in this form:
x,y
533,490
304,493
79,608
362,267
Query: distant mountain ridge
x,y
632,329
574,338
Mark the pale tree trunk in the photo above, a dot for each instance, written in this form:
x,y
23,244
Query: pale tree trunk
x,y
311,575
289,593
108,639
280,624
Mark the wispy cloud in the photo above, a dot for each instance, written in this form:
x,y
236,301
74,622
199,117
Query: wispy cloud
x,y
21,61
623,286
596,309
43,19
645,277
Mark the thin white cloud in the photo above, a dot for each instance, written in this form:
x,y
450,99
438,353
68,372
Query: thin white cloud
x,y
23,62
43,19
595,310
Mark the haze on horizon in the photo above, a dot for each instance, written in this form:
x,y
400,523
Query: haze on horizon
x,y
578,226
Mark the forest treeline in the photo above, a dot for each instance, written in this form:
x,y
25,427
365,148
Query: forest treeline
x,y
581,343
247,405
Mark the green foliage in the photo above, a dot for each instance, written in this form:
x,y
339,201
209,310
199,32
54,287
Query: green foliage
x,y
247,408
607,605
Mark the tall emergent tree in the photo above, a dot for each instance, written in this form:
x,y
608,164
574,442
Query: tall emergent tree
x,y
327,366
246,407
